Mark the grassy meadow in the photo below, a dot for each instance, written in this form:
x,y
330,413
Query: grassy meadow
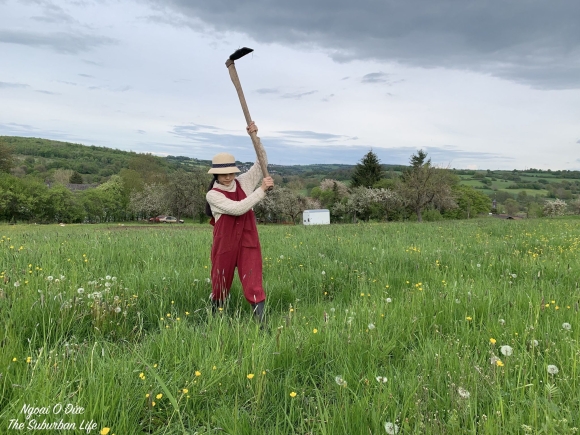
x,y
465,327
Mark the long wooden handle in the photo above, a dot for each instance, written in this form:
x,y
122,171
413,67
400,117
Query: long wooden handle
x,y
255,139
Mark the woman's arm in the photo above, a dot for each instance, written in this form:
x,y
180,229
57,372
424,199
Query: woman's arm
x,y
250,179
219,203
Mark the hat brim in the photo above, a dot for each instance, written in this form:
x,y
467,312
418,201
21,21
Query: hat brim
x,y
228,170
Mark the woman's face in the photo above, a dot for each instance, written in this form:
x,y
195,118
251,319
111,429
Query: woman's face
x,y
226,179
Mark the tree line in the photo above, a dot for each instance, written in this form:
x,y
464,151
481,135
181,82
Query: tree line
x,y
148,186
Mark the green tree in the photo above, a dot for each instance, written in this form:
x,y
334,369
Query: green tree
x,y
470,202
5,157
186,192
367,172
424,185
76,178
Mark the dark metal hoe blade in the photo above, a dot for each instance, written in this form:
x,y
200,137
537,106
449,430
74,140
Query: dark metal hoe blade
x,y
241,52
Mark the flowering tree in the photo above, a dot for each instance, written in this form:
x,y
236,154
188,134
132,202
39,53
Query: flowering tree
x,y
555,208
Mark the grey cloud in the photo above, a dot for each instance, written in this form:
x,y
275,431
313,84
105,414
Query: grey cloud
x,y
6,85
297,95
535,43
378,77
296,147
26,130
578,141
47,92
311,135
61,42
141,132
267,91
86,75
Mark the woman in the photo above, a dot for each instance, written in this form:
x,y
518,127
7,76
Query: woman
x,y
235,237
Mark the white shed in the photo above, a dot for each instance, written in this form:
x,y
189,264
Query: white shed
x,y
316,217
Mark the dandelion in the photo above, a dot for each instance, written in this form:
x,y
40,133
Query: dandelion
x,y
499,363
207,280
142,375
108,277
315,331
105,431
566,326
478,265
493,360
293,394
323,272
80,290
340,381
457,301
185,391
28,360
159,396
463,393
371,326
391,428
381,379
198,373
514,276
469,318
552,369
534,343
118,310
17,284
506,350
49,278
492,340
14,360
250,376
389,300
502,322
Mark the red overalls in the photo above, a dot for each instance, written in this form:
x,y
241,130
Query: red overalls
x,y
236,243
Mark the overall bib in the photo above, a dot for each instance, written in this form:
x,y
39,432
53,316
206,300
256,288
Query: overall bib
x,y
236,244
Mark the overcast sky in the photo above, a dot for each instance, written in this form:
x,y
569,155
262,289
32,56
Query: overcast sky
x,y
477,84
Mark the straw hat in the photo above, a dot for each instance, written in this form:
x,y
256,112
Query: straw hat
x,y
223,163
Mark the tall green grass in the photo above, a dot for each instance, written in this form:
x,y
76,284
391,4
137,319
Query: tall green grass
x,y
367,325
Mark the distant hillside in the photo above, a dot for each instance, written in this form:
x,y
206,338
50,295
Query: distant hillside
x,y
41,157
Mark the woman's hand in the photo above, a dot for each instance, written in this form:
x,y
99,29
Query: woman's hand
x,y
252,128
267,183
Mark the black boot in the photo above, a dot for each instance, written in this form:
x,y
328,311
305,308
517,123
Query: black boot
x,y
258,310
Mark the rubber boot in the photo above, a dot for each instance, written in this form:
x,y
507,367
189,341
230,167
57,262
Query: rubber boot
x,y
258,310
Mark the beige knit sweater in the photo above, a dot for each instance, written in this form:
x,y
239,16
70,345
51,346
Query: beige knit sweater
x,y
220,204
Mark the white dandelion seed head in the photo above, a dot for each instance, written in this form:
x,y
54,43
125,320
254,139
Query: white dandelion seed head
x,y
381,379
332,310
108,277
349,320
323,272
566,326
463,393
114,278
534,343
371,326
50,278
80,290
207,280
391,428
62,278
457,301
107,284
389,300
116,298
196,280
281,257
340,381
478,265
57,280
506,350
117,310
17,284
502,322
552,369
493,360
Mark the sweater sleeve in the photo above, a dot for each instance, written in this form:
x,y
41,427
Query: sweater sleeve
x,y
220,204
249,180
